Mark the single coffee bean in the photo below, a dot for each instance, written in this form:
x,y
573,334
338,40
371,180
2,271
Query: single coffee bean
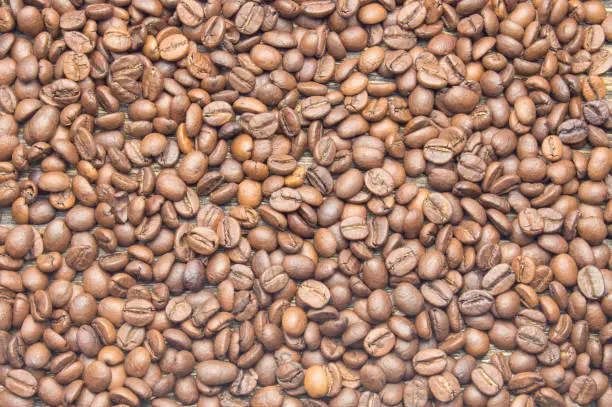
x,y
138,312
591,283
215,373
531,339
475,302
499,279
21,382
313,293
487,379
286,200
429,362
437,209
444,387
203,240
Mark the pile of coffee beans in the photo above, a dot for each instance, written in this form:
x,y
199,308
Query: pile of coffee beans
x,y
305,203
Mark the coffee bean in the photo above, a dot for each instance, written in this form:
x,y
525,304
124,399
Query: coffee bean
x,y
401,261
379,182
202,240
416,392
572,131
526,382
444,387
531,339
475,302
438,151
274,279
286,200
190,12
313,293
583,389
354,228
138,312
429,362
487,379
437,208
21,383
215,372
437,293
499,279
379,341
591,283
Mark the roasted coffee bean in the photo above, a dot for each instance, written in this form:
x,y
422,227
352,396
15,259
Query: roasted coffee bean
x,y
202,240
430,362
475,302
583,389
221,188
313,293
21,383
444,387
215,373
591,283
499,279
526,382
286,200
416,392
487,379
531,339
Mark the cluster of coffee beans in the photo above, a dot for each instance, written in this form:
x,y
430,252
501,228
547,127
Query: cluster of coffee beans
x,y
305,203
